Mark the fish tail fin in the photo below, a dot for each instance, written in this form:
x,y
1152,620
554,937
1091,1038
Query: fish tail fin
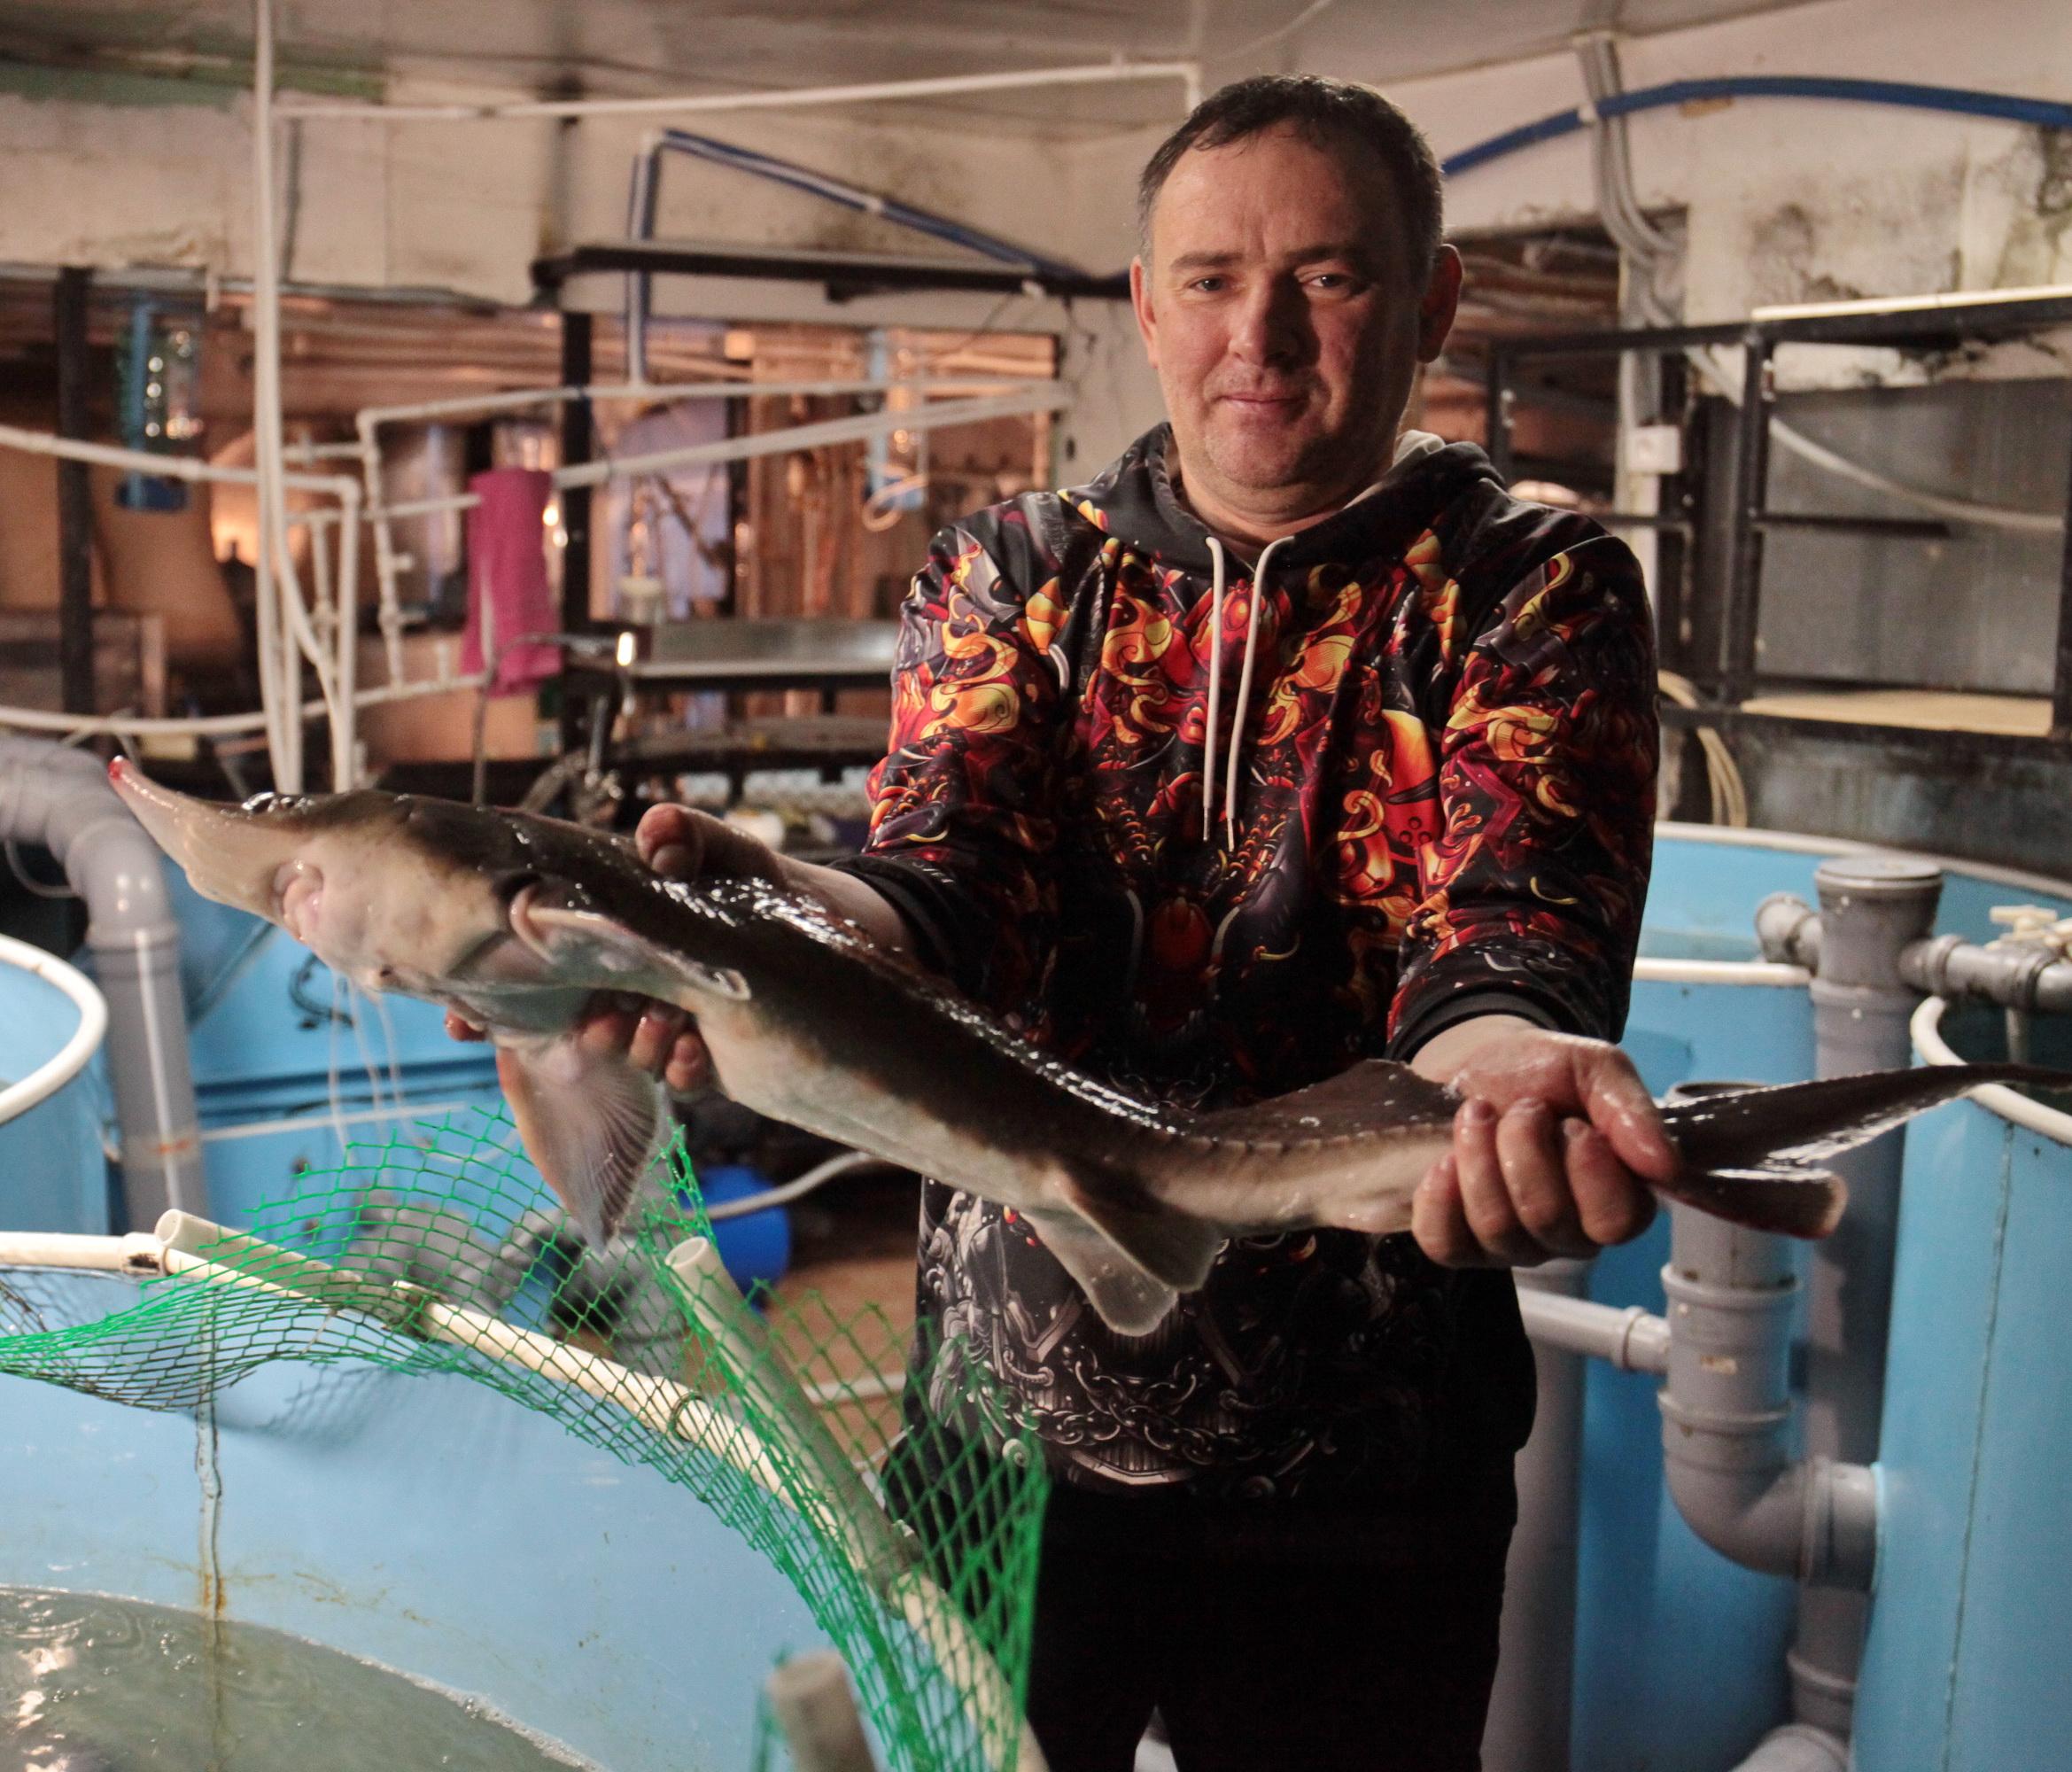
x,y
1789,1199
590,1121
1755,1155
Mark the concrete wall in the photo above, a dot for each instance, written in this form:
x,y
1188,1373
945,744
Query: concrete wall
x,y
1785,200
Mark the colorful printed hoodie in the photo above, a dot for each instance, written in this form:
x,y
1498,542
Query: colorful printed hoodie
x,y
1215,831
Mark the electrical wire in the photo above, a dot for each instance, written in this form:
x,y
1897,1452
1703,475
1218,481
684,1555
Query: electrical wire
x,y
29,882
1281,33
1954,100
738,159
1656,256
847,1163
1723,778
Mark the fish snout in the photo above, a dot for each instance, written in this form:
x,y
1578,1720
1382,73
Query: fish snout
x,y
228,853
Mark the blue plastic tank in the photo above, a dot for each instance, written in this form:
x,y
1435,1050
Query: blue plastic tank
x,y
1967,1665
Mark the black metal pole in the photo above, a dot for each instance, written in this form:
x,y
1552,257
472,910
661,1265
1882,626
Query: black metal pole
x,y
1499,409
577,445
1744,553
2061,678
1673,546
75,503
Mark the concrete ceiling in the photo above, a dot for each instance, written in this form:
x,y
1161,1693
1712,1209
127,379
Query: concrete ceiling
x,y
637,47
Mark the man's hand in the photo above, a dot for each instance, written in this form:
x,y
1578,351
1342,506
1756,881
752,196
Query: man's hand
x,y
1552,1147
680,842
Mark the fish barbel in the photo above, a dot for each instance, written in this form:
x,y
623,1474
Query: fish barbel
x,y
516,922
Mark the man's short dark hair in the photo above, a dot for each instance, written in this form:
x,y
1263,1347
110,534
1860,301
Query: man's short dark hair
x,y
1326,114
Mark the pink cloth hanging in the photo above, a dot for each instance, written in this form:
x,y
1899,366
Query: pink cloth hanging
x,y
507,590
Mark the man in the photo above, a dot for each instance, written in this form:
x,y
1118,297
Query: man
x,y
1288,740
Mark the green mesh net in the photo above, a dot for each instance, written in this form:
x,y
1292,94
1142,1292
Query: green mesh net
x,y
439,1254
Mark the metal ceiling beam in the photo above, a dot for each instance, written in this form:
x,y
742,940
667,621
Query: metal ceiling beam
x,y
844,274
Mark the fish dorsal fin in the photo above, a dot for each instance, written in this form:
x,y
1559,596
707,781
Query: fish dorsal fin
x,y
616,957
1123,1294
1374,1097
591,1122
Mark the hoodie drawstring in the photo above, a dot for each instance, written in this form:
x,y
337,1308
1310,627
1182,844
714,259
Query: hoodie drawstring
x,y
1215,674
1215,685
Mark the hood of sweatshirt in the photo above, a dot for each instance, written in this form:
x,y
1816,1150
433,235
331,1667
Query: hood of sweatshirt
x,y
1140,500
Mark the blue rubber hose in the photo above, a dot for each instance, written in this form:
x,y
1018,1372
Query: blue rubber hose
x,y
2005,107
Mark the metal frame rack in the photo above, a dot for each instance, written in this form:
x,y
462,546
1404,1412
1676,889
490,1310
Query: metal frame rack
x,y
844,277
1733,677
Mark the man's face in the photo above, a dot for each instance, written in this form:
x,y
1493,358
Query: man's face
x,y
1284,319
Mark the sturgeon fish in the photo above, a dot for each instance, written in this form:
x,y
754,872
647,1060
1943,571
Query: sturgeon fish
x,y
516,922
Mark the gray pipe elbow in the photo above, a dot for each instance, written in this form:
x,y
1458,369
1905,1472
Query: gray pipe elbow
x,y
1788,929
1813,1519
59,799
1798,1747
1726,1450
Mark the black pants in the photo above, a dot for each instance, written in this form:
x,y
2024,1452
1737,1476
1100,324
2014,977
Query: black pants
x,y
1300,1651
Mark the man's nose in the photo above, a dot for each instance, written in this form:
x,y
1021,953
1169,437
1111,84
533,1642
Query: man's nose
x,y
1273,327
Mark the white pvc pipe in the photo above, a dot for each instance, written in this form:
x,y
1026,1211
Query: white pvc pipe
x,y
1907,304
322,1120
1762,972
276,682
1042,397
138,1253
345,733
70,1059
1632,1339
388,606
40,719
1925,1030
207,1251
455,405
163,467
783,98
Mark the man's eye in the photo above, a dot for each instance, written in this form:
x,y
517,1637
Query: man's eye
x,y
1209,285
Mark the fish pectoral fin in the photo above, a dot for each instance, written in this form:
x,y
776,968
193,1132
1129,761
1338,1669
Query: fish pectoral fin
x,y
591,1122
1154,1239
1786,1199
1124,1296
574,939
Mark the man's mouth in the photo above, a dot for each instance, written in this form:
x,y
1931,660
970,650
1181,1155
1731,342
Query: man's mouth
x,y
1262,398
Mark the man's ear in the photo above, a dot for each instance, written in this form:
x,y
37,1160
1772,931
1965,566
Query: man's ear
x,y
1440,302
1147,319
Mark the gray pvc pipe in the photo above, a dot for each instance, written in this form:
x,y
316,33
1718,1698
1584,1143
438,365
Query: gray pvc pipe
x,y
59,799
1727,1452
814,1707
1798,1747
2021,976
1788,929
1873,909
1726,1415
